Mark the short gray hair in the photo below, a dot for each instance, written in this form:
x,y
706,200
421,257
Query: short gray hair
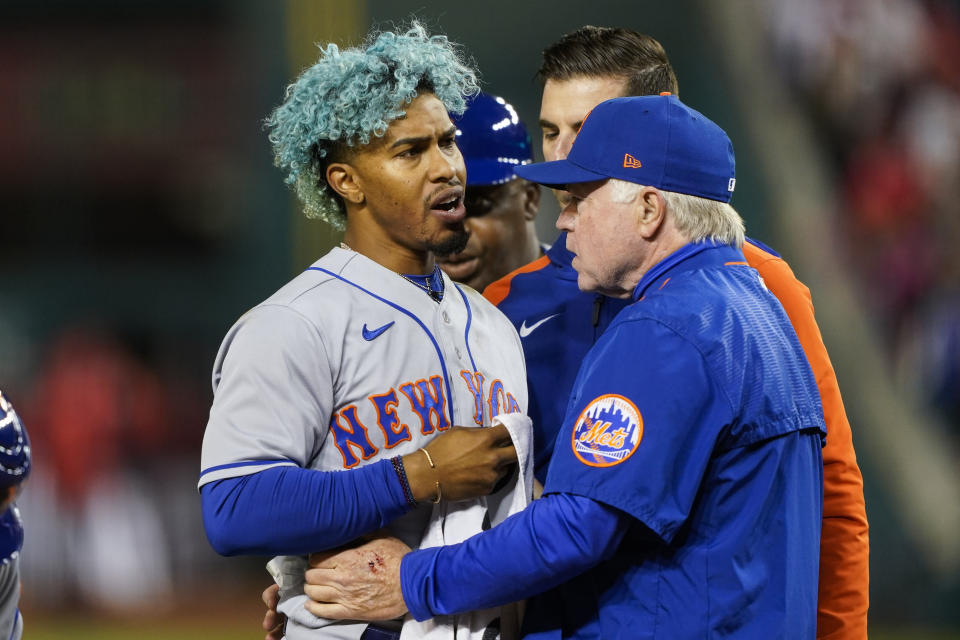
x,y
695,217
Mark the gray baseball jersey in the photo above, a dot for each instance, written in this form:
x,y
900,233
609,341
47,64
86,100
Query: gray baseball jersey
x,y
11,623
350,363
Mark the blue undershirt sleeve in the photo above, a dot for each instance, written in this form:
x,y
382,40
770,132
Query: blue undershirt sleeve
x,y
551,541
294,511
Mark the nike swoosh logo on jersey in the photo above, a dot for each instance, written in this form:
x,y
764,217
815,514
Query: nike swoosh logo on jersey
x,y
525,330
371,335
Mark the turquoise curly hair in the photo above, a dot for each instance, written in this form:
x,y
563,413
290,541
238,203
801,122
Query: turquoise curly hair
x,y
349,96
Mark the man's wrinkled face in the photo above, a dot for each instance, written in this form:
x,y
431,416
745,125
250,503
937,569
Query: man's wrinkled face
x,y
602,235
412,180
497,219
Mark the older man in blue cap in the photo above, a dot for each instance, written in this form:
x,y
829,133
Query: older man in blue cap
x,y
684,495
501,207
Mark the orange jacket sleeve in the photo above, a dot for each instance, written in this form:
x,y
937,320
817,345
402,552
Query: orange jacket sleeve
x,y
844,540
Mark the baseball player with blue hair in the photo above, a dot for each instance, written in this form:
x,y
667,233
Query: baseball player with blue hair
x,y
336,399
15,463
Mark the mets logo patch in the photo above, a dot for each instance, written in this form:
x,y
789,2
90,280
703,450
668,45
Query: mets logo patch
x,y
607,432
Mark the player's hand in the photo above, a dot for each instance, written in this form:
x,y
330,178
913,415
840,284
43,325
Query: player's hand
x,y
272,620
469,461
360,583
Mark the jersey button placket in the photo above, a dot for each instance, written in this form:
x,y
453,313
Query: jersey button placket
x,y
450,337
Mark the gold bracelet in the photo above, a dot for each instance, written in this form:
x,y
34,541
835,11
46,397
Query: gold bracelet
x,y
433,466
429,459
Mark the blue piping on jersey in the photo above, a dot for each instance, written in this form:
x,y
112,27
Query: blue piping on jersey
x,y
443,364
246,463
466,333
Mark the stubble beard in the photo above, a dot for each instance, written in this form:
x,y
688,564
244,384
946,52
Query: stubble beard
x,y
455,242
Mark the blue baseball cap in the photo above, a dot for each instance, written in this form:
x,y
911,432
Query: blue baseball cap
x,y
655,141
492,140
15,455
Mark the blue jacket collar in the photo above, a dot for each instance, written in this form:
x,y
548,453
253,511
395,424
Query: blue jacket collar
x,y
690,257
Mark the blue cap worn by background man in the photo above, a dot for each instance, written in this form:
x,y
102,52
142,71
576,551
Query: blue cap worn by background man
x,y
492,139
656,141
15,463
14,446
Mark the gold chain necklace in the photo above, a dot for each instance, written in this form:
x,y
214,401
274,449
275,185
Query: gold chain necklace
x,y
436,296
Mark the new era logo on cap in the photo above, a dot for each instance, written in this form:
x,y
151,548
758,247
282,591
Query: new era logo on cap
x,y
683,151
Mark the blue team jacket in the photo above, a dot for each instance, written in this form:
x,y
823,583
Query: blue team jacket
x,y
697,414
557,324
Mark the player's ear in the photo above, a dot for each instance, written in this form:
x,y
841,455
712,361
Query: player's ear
x,y
531,199
650,209
342,178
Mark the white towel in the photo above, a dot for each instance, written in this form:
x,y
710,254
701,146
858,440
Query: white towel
x,y
450,523
288,572
453,522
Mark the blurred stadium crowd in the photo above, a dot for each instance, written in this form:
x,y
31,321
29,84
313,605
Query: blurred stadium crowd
x,y
881,82
117,433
